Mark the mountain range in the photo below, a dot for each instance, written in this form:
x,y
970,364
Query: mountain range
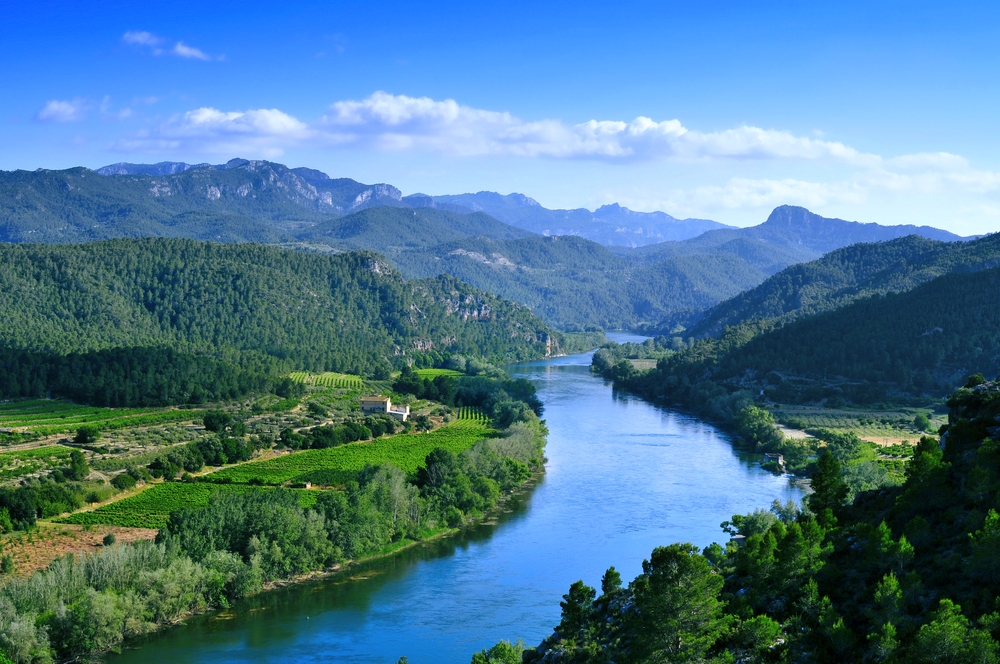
x,y
506,246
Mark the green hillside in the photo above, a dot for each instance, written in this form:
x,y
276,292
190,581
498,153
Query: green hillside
x,y
570,281
893,347
390,229
250,306
846,275
922,341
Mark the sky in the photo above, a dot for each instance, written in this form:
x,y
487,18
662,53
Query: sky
x,y
883,112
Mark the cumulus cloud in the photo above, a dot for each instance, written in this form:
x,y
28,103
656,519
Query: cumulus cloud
x,y
389,122
159,46
58,110
256,131
399,122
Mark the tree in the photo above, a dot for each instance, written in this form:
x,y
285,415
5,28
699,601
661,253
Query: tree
x,y
949,639
217,420
921,422
756,426
576,608
677,615
504,652
829,490
78,468
87,435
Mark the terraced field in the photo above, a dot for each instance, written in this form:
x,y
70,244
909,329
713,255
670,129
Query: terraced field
x,y
328,379
51,416
152,507
24,462
336,466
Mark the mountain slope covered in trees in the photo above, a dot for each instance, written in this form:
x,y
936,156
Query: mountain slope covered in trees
x,y
580,284
848,274
915,344
256,307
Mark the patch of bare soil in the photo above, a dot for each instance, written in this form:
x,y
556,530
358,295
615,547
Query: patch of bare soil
x,y
35,549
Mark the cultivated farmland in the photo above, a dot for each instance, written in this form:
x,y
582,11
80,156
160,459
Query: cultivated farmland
x,y
51,416
338,465
328,379
434,373
152,507
25,462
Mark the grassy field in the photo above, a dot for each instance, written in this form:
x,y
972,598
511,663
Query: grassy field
x,y
45,417
338,465
434,373
328,379
152,507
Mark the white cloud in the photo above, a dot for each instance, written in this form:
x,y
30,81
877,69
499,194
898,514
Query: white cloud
x,y
183,50
156,46
142,38
208,130
57,110
399,122
394,123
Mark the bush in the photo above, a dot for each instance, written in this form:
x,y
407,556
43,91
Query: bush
x,y
6,565
109,539
123,481
87,435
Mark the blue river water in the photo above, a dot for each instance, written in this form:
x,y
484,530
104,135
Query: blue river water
x,y
623,476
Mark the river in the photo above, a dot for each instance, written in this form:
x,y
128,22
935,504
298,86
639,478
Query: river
x,y
623,476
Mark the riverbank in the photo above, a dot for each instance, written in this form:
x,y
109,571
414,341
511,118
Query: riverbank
x,y
622,477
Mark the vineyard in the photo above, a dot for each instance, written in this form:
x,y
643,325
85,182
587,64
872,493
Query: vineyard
x,y
469,413
328,379
152,507
434,373
338,465
50,416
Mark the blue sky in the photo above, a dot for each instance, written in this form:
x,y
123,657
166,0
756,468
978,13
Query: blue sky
x,y
869,111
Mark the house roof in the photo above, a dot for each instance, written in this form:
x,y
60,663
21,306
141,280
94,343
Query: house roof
x,y
379,399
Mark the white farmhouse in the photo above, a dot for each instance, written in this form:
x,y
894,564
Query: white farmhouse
x,y
383,405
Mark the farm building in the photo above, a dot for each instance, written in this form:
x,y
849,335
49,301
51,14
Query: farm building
x,y
379,404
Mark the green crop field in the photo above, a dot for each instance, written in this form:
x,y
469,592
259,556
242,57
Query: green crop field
x,y
51,416
434,373
474,414
152,507
328,379
338,465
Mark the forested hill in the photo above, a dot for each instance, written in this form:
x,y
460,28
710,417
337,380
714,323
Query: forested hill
x,y
570,281
922,341
846,275
253,306
572,284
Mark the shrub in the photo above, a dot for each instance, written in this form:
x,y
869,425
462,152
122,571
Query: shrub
x,y
123,481
109,539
